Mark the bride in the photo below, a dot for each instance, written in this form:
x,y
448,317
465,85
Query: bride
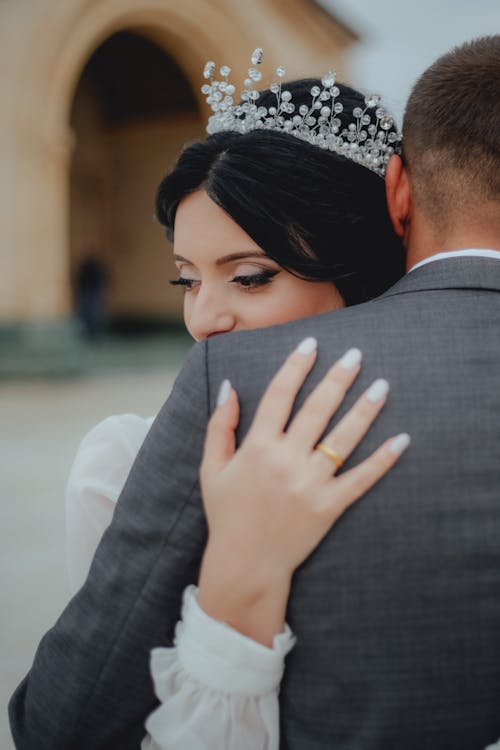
x,y
271,221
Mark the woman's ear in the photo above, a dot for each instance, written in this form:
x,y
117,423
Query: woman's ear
x,y
398,192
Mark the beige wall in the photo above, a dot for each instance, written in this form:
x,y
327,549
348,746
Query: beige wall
x,y
44,46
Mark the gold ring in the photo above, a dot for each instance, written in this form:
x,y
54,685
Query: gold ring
x,y
331,454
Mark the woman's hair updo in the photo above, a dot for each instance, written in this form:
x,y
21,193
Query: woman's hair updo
x,y
319,215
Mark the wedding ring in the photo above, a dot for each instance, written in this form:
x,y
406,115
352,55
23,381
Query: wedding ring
x,y
331,454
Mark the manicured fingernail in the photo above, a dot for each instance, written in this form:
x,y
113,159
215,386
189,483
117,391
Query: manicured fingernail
x,y
350,359
400,443
307,346
377,390
224,391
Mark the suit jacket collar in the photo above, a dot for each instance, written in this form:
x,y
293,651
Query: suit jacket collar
x,y
450,273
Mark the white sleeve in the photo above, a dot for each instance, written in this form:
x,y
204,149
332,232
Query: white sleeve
x,y
218,689
102,464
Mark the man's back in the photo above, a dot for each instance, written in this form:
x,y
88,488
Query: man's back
x,y
397,613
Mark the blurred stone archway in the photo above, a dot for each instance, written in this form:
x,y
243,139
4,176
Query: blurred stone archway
x,y
132,111
46,47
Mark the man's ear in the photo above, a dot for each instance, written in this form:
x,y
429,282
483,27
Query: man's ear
x,y
398,192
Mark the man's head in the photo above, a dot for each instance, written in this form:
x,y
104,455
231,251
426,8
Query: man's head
x,y
451,136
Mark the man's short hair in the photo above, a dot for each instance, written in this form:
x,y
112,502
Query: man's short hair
x,y
451,132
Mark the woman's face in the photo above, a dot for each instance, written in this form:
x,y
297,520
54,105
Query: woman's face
x,y
229,283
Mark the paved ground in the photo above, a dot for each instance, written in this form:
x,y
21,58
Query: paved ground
x,y
41,424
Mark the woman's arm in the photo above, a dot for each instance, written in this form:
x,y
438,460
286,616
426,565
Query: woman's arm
x,y
268,505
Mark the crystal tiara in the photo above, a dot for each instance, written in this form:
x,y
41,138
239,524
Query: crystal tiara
x,y
370,140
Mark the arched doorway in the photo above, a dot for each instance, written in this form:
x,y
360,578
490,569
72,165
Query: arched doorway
x,y
41,87
132,110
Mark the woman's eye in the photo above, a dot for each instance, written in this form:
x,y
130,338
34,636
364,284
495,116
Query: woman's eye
x,y
186,284
256,279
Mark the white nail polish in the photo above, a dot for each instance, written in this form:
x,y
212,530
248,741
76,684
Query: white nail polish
x,y
224,391
400,443
377,390
307,346
350,359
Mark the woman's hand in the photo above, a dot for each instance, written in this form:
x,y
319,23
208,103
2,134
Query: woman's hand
x,y
269,503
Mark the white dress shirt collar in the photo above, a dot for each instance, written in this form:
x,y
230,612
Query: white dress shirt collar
x,y
458,254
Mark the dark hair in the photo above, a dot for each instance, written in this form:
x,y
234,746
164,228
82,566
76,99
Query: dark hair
x,y
317,214
451,130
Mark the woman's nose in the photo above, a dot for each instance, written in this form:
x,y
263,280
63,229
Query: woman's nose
x,y
209,316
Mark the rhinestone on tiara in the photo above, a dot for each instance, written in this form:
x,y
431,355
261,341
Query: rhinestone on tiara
x,y
370,140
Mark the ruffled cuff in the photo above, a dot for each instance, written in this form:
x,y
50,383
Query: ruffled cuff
x,y
219,657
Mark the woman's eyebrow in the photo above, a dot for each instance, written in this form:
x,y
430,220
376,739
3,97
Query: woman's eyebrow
x,y
225,258
238,256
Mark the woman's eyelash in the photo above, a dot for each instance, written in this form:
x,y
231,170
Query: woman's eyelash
x,y
248,281
255,279
181,281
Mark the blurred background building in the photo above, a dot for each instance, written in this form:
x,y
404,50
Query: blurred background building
x,y
97,100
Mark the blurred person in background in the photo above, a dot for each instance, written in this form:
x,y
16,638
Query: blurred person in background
x,y
91,283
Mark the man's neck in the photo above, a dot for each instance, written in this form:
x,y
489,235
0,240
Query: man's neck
x,y
424,244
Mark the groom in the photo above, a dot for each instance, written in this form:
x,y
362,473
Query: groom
x,y
397,612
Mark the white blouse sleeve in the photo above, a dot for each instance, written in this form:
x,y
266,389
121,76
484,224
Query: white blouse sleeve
x,y
218,689
97,477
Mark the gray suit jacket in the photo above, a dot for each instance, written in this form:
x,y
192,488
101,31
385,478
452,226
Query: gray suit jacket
x,y
397,612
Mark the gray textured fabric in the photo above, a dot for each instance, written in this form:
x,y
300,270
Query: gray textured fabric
x,y
397,613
